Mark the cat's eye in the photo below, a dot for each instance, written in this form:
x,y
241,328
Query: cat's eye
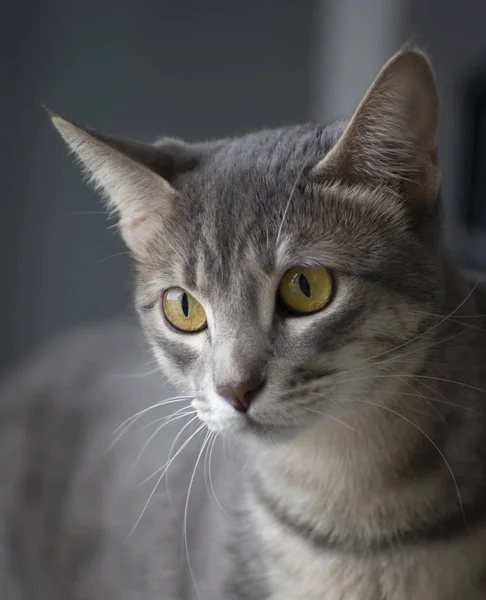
x,y
306,290
183,311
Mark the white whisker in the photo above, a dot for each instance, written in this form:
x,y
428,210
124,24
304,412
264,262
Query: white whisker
x,y
104,259
329,417
211,434
431,328
211,479
430,440
185,514
168,421
292,192
395,359
189,410
158,482
145,410
135,375
166,466
195,418
131,421
410,385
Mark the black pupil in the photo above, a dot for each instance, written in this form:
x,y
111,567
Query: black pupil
x,y
185,304
304,285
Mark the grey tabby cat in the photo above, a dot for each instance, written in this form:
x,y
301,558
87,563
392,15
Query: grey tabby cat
x,y
295,284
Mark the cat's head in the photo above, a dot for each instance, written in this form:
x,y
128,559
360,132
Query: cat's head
x,y
280,271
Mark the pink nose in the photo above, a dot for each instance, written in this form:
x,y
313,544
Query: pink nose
x,y
241,394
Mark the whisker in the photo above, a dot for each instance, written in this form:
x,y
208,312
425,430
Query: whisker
x,y
410,385
189,410
166,466
185,514
445,380
145,410
458,320
445,400
424,312
394,359
431,441
211,479
206,481
442,398
292,192
102,260
329,417
132,420
195,418
431,328
168,421
135,375
337,400
433,344
157,485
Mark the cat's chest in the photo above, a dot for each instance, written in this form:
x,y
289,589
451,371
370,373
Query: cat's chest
x,y
297,570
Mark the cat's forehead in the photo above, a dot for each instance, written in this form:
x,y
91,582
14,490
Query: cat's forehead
x,y
249,211
256,165
276,154
236,200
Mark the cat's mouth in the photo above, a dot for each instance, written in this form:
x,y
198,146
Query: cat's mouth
x,y
223,418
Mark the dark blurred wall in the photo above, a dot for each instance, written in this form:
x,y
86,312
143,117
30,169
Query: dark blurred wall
x,y
356,38
140,68
454,33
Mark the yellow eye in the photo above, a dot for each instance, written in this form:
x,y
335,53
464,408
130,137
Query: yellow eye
x,y
183,311
306,290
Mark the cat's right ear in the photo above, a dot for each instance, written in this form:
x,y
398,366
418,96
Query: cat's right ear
x,y
392,137
133,177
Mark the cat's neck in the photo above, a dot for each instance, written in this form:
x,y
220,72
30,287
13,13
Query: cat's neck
x,y
384,469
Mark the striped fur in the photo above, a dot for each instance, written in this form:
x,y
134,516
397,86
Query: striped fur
x,y
361,472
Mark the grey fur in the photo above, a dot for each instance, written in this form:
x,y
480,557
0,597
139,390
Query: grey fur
x,y
361,466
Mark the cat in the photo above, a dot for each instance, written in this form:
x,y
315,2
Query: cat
x,y
295,285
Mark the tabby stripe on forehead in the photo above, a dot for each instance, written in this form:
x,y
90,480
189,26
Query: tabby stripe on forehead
x,y
443,529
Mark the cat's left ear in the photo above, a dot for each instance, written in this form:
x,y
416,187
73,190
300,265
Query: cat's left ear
x,y
134,177
392,136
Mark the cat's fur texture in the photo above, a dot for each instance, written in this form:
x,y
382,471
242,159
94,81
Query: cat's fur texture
x,y
361,464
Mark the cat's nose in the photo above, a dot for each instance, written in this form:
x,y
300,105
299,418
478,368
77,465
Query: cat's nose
x,y
241,394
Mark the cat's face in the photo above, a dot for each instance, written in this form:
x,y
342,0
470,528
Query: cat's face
x,y
280,273
297,341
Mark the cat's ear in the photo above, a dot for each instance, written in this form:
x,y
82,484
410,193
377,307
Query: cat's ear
x,y
133,177
392,136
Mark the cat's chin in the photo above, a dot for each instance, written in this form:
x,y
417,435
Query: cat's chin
x,y
228,422
271,434
252,430
248,429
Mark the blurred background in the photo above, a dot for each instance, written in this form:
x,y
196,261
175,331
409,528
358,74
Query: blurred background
x,y
198,70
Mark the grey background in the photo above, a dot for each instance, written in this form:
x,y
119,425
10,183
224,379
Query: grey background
x,y
192,69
